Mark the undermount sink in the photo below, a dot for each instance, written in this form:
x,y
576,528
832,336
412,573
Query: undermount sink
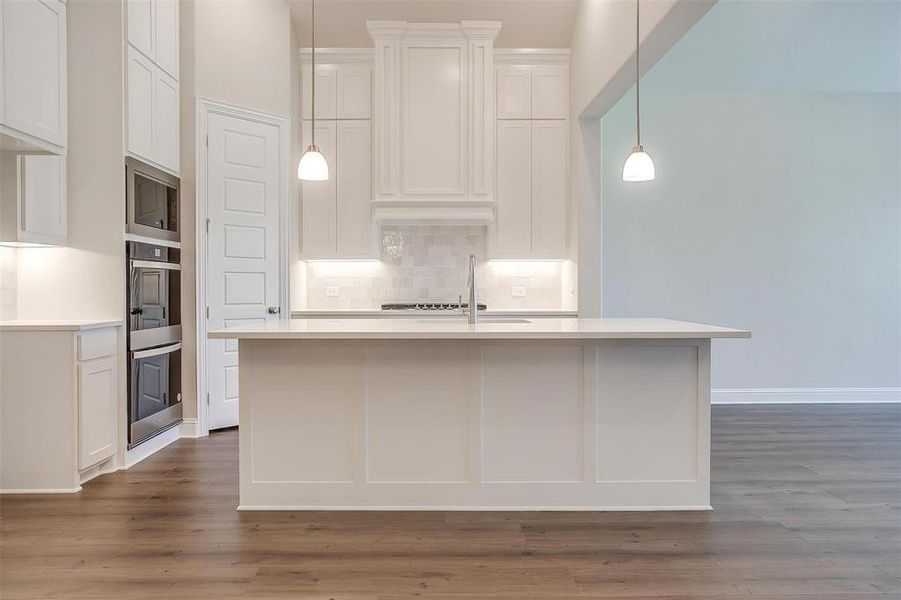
x,y
463,320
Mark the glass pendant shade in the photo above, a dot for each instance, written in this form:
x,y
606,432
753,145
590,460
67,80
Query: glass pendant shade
x,y
313,166
639,166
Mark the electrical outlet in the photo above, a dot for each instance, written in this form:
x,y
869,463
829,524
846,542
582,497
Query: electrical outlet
x,y
519,291
332,292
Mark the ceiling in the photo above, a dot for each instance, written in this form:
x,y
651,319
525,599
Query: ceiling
x,y
526,23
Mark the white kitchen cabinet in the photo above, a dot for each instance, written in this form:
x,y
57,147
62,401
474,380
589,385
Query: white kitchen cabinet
x,y
336,214
513,222
58,432
33,102
33,197
514,92
319,198
343,91
549,189
152,29
354,189
532,198
532,91
152,110
97,390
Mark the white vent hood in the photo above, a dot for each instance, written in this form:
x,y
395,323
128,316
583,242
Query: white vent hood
x,y
433,121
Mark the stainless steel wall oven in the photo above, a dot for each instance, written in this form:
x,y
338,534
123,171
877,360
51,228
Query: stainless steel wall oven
x,y
154,340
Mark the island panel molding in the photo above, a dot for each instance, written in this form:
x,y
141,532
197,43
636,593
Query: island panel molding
x,y
553,414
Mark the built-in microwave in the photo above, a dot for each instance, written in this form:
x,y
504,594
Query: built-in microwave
x,y
152,198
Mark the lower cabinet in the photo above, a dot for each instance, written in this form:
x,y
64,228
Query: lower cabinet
x,y
336,214
532,191
59,405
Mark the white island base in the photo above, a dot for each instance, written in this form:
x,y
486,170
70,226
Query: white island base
x,y
479,420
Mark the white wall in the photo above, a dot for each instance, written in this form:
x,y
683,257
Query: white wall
x,y
774,209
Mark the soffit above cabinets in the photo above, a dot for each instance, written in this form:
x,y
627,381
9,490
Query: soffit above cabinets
x,y
433,115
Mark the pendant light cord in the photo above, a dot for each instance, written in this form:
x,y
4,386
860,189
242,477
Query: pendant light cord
x,y
637,77
313,74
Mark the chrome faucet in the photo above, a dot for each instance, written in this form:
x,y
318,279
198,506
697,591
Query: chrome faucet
x,y
473,301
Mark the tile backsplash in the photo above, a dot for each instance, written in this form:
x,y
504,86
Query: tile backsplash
x,y
429,263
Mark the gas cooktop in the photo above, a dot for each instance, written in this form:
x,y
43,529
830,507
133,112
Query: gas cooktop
x,y
429,306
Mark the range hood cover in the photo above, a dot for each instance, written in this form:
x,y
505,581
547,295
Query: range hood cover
x,y
433,212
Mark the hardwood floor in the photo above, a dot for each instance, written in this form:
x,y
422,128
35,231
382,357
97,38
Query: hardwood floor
x,y
807,505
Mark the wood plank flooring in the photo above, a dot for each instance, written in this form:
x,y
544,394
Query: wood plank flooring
x,y
807,505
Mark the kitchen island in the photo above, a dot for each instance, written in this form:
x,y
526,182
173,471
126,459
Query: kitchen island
x,y
507,414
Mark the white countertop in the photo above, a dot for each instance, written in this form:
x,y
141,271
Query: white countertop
x,y
339,313
458,328
57,325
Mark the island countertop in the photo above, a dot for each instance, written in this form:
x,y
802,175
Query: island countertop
x,y
429,328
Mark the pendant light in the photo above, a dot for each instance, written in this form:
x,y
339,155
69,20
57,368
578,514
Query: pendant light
x,y
639,166
313,166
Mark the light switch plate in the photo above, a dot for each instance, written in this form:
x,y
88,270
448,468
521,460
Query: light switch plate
x,y
332,292
519,291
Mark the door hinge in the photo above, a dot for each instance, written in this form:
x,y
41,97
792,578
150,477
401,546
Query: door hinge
x,y
207,225
207,140
207,312
207,398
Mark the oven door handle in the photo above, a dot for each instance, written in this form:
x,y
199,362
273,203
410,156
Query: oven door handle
x,y
156,351
152,264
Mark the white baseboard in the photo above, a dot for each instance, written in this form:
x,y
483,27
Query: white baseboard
x,y
42,491
190,429
806,396
151,446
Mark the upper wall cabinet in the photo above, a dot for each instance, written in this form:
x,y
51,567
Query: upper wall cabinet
x,y
152,89
33,205
33,76
532,85
433,119
153,30
343,84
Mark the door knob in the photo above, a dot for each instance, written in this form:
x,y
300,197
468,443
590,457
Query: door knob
x,y
274,310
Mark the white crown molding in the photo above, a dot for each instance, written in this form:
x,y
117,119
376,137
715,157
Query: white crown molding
x,y
531,56
806,396
395,30
326,56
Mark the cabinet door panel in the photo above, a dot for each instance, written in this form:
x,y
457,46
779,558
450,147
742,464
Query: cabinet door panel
x,y
549,93
96,411
34,68
326,92
354,92
513,228
166,28
514,93
43,198
165,121
549,189
140,89
319,199
141,27
354,189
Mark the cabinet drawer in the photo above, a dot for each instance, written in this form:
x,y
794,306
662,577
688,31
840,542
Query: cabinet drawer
x,y
97,344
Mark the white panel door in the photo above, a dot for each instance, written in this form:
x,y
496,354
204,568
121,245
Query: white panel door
x,y
319,198
549,196
34,68
165,122
513,227
166,17
97,394
140,88
354,92
43,198
514,93
140,29
354,189
549,93
326,92
242,246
